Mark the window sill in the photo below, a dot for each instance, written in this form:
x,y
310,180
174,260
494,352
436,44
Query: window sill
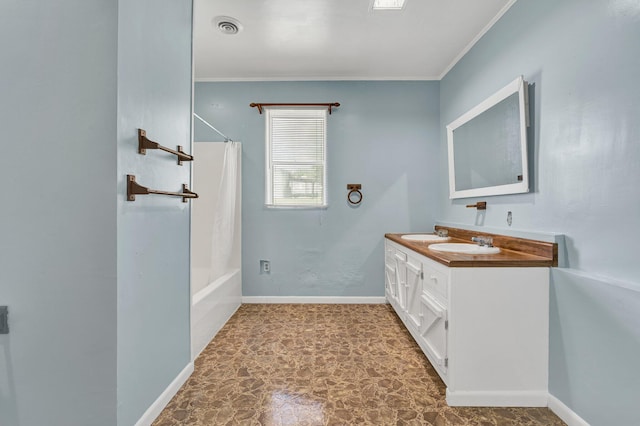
x,y
277,207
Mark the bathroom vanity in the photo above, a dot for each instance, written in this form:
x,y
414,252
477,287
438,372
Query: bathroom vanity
x,y
481,320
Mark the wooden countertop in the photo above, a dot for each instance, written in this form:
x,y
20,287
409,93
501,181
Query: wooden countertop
x,y
514,252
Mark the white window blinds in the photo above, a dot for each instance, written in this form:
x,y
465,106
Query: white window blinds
x,y
296,157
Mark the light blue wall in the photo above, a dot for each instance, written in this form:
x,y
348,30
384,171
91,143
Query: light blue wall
x,y
384,136
58,217
97,287
595,343
582,60
154,93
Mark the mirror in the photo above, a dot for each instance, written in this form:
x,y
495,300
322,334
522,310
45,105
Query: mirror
x,y
488,145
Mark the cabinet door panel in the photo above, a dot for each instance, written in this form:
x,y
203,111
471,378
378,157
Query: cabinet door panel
x,y
390,281
391,276
433,330
414,291
401,279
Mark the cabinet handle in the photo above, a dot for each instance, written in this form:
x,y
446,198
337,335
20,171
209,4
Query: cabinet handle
x,y
433,278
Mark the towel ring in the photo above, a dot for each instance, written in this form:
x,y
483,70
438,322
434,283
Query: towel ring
x,y
354,197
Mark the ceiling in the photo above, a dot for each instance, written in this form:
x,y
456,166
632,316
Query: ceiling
x,y
337,39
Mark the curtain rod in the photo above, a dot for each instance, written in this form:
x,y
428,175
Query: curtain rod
x,y
226,138
260,106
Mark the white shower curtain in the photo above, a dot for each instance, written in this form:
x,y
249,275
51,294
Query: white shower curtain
x,y
224,216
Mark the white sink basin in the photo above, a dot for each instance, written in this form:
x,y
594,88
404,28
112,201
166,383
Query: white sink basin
x,y
464,248
423,237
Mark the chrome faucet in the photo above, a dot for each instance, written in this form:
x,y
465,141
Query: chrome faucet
x,y
483,241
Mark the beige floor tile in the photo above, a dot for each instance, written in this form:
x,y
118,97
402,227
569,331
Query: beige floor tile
x,y
323,365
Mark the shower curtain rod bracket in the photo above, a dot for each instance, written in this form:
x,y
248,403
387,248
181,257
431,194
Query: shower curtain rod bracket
x,y
144,143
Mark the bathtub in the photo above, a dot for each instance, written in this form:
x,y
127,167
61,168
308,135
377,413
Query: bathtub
x,y
212,307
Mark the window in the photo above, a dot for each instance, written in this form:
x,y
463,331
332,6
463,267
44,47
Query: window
x,y
296,157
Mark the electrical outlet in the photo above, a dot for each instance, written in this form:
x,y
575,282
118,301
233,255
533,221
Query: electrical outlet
x,y
4,320
265,267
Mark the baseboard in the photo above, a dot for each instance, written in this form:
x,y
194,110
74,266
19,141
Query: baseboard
x,y
158,405
565,413
498,399
314,299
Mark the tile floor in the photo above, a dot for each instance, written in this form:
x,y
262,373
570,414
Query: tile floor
x,y
323,365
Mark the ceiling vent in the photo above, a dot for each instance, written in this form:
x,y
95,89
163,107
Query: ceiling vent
x,y
387,4
227,25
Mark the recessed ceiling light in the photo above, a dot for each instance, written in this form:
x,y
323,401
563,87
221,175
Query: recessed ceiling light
x,y
227,25
388,4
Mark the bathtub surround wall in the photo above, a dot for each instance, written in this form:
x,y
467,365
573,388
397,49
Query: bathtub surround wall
x,y
581,59
226,232
97,288
207,177
384,136
216,287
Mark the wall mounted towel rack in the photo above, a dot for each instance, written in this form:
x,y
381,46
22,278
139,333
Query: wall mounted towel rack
x,y
133,189
261,106
144,144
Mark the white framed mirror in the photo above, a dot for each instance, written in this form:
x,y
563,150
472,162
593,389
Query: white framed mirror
x,y
487,146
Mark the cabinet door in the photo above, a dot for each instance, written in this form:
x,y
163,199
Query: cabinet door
x,y
401,279
414,291
433,330
391,287
390,276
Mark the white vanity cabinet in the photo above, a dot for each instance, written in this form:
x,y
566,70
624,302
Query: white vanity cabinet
x,y
484,329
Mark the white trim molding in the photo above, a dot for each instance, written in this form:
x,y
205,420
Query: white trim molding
x,y
497,398
318,78
476,39
158,405
315,299
570,417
